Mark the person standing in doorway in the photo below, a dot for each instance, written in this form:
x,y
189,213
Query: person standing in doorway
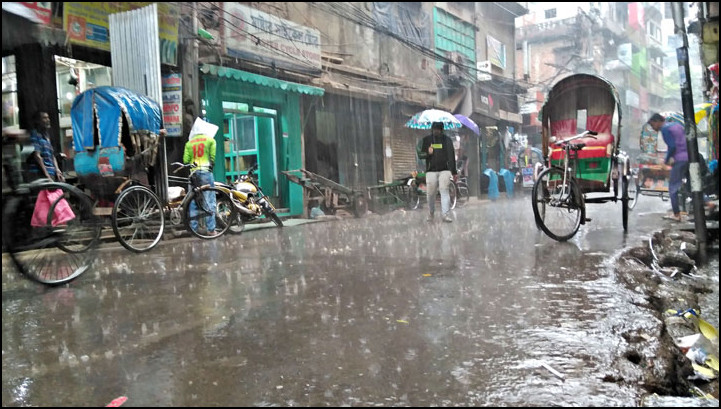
x,y
43,163
200,152
677,156
439,154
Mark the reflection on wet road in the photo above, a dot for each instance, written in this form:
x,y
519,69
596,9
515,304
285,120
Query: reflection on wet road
x,y
384,310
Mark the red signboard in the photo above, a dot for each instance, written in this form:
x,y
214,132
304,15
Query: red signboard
x,y
42,10
635,15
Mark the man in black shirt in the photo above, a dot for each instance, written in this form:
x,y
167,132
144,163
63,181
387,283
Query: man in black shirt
x,y
437,150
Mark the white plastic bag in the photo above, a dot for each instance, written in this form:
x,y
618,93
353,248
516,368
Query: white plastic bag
x,y
204,128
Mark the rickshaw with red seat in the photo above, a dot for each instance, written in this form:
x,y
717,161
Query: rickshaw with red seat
x,y
581,134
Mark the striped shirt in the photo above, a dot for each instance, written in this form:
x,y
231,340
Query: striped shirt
x,y
42,145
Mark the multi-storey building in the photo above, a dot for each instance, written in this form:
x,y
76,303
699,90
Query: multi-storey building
x,y
324,86
621,41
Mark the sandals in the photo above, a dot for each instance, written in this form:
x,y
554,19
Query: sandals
x,y
675,218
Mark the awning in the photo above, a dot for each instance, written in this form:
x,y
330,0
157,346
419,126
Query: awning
x,y
232,73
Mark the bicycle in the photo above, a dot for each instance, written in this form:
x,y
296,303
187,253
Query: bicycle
x,y
138,217
558,204
418,191
51,249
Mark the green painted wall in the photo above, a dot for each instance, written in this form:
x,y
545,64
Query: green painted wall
x,y
288,142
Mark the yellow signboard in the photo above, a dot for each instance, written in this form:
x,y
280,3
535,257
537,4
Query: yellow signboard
x,y
87,24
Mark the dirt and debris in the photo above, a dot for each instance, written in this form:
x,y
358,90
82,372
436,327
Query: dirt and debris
x,y
663,271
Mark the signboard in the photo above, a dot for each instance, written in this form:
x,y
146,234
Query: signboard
x,y
483,69
263,37
496,52
87,24
172,104
42,10
527,173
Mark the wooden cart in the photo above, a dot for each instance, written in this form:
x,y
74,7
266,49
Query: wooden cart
x,y
330,195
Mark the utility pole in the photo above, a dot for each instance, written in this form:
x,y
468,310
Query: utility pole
x,y
691,141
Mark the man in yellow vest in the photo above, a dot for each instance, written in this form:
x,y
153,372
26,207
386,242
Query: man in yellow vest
x,y
200,151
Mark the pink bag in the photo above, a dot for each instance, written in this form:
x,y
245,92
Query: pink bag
x,y
63,213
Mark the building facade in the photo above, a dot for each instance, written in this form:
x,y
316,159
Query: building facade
x,y
323,86
621,41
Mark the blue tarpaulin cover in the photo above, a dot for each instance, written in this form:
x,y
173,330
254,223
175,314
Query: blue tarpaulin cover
x,y
493,193
507,177
109,105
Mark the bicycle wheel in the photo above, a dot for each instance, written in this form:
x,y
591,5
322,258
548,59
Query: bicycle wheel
x,y
197,212
557,206
413,199
225,213
138,219
34,249
462,193
80,234
453,196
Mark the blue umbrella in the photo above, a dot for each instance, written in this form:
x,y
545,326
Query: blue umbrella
x,y
468,122
424,120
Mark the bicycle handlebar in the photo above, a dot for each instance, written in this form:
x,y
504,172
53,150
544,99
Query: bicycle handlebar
x,y
180,166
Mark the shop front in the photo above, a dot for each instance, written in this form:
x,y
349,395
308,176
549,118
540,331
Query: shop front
x,y
260,122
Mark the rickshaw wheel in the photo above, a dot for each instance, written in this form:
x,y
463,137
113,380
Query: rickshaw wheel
x,y
138,219
36,250
634,190
197,212
625,200
557,207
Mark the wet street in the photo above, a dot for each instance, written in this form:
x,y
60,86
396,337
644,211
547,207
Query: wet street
x,y
381,311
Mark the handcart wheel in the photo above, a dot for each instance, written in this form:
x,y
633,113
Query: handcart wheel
x,y
557,206
55,250
138,219
360,205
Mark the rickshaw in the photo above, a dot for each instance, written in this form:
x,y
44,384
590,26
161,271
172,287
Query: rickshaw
x,y
116,139
582,155
116,136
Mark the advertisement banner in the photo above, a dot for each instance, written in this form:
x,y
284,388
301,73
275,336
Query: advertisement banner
x,y
263,37
87,24
172,104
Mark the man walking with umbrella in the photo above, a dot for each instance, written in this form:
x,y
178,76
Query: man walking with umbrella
x,y
438,152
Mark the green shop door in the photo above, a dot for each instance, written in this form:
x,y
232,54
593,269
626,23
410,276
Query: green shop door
x,y
250,137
